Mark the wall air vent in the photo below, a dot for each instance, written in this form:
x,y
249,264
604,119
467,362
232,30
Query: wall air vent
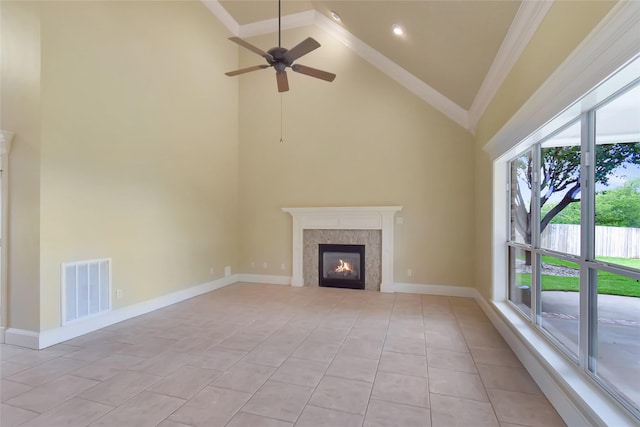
x,y
86,289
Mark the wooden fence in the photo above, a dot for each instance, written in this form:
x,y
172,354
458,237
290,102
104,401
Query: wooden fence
x,y
619,242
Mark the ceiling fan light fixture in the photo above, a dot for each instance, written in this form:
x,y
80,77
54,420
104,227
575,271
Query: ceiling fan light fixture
x,y
397,30
335,16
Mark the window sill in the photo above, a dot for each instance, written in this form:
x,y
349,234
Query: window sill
x,y
576,397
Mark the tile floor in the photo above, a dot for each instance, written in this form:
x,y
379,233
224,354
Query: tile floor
x,y
268,355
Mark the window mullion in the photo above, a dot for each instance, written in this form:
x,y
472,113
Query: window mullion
x,y
536,295
588,293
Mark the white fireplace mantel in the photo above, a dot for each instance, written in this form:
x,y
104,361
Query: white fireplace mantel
x,y
344,218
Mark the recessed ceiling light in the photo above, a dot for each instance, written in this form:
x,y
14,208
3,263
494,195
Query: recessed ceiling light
x,y
335,16
397,30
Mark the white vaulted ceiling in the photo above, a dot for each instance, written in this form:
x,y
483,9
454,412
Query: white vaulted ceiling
x,y
455,54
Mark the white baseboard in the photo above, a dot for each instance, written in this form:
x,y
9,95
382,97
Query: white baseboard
x,y
2,331
578,400
50,337
22,338
265,278
449,291
44,339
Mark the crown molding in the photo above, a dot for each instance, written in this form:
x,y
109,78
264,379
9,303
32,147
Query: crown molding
x,y
269,26
524,25
394,71
613,42
369,54
223,16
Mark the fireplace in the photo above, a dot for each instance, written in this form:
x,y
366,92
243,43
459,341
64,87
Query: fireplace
x,y
347,220
341,266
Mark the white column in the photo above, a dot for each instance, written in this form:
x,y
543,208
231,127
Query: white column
x,y
297,279
387,283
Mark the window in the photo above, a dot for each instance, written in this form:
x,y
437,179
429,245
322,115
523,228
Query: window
x,y
574,239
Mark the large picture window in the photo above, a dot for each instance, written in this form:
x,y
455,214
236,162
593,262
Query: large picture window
x,y
574,240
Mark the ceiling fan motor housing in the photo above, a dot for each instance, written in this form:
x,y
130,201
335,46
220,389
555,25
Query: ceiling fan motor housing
x,y
278,58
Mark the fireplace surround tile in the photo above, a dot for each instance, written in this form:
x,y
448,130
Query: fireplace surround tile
x,y
370,238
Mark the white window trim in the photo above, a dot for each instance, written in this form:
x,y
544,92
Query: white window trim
x,y
610,46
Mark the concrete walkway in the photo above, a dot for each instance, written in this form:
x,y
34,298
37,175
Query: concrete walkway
x,y
618,335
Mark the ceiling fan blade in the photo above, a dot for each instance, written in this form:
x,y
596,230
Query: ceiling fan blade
x,y
246,70
251,47
283,82
313,72
302,48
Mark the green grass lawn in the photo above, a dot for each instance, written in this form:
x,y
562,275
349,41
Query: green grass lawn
x,y
627,262
608,283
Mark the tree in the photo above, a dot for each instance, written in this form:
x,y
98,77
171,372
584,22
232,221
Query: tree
x,y
618,207
569,215
560,173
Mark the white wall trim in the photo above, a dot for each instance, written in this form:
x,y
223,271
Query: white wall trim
x,y
395,71
419,88
524,26
264,278
525,23
269,26
444,290
611,44
22,338
50,337
44,339
578,400
223,16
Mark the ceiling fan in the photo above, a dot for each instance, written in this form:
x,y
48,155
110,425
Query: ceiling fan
x,y
281,58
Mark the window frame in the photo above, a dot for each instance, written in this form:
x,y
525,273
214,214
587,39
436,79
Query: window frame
x,y
586,359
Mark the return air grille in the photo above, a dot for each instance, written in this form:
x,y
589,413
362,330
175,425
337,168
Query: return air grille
x,y
86,289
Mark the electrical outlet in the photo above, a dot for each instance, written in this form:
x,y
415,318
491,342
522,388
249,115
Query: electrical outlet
x,y
253,264
119,293
409,272
265,265
227,271
282,266
211,271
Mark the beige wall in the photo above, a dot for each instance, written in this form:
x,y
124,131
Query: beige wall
x,y
132,144
139,150
362,140
21,113
564,27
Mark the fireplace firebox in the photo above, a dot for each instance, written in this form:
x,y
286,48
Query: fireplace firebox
x,y
341,266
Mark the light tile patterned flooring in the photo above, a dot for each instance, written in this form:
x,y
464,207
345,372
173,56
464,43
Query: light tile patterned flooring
x,y
276,356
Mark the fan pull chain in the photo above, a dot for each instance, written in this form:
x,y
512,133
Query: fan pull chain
x,y
281,140
280,45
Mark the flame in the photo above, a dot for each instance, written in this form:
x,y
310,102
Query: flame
x,y
344,267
